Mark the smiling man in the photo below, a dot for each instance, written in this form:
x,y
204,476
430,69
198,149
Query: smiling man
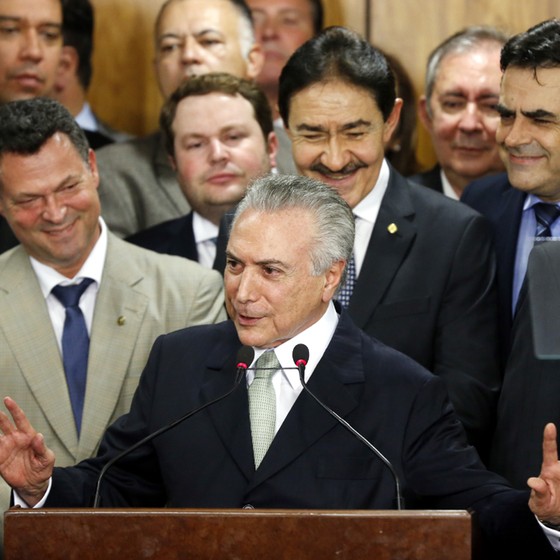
x,y
423,264
459,109
129,296
524,206
529,140
219,135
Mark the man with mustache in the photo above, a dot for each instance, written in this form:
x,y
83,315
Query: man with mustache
x,y
424,264
458,109
523,206
30,47
219,136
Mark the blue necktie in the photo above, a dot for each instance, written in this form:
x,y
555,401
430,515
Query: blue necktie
x,y
545,215
345,293
75,345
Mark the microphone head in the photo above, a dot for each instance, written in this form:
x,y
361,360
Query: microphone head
x,y
300,354
245,356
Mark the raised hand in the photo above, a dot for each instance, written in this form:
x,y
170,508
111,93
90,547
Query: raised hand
x,y
26,463
545,489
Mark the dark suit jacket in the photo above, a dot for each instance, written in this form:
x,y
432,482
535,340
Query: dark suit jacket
x,y
502,205
7,237
430,178
176,237
531,389
428,290
313,462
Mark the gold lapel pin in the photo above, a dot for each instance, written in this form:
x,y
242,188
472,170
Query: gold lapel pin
x,y
392,228
121,321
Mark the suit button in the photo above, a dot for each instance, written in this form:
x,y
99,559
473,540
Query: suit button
x,y
248,506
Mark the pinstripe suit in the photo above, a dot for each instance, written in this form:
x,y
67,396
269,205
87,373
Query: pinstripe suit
x,y
150,293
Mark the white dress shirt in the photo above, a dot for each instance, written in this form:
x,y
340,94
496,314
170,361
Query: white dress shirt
x,y
205,236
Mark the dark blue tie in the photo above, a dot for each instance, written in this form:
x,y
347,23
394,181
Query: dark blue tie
x,y
75,345
545,215
345,292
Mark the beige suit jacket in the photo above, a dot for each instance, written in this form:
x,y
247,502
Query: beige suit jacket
x,y
142,295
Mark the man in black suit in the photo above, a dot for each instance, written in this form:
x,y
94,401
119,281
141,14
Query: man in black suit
x,y
458,109
424,263
290,242
523,206
219,136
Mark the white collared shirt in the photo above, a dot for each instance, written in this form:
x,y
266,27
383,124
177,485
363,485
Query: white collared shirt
x,y
205,235
286,381
448,190
366,212
49,278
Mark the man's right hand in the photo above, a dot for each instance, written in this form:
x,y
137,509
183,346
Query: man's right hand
x,y
26,463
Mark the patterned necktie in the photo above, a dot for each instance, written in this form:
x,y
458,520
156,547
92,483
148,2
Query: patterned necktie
x,y
262,405
345,293
75,345
546,215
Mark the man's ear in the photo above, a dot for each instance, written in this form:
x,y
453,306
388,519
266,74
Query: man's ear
x,y
255,61
392,121
272,148
67,67
424,113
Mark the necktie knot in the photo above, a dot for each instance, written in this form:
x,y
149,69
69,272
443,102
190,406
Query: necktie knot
x,y
70,296
546,215
266,365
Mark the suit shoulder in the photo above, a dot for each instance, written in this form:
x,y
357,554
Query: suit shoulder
x,y
158,235
486,190
122,152
163,266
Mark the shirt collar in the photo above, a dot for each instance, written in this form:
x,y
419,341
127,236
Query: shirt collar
x,y
48,277
368,208
316,337
203,229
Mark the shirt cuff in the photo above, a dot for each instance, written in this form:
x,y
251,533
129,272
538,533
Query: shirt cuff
x,y
19,502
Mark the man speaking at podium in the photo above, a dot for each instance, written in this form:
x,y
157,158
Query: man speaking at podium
x,y
266,442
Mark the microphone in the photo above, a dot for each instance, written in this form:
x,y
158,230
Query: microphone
x,y
300,355
244,358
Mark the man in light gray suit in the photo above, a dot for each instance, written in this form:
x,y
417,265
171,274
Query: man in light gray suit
x,y
48,195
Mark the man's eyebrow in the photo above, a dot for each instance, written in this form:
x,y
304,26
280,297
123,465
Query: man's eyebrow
x,y
503,111
539,114
346,126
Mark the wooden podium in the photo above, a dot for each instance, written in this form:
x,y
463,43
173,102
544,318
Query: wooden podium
x,y
169,534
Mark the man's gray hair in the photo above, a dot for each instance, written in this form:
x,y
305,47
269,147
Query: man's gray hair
x,y
333,236
466,40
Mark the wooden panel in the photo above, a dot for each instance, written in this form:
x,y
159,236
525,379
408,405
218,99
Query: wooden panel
x,y
124,90
240,534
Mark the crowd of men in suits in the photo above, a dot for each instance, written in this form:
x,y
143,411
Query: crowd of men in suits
x,y
420,283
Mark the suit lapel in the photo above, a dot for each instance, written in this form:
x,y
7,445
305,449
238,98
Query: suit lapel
x,y
340,367
507,232
32,341
392,236
118,317
183,242
231,415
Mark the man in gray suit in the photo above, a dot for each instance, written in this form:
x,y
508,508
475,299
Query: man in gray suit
x,y
138,186
48,195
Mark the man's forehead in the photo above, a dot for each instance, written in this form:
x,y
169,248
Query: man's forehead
x,y
39,12
195,10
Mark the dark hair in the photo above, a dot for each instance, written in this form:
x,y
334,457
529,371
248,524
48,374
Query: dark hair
x,y
538,47
400,151
215,82
318,15
27,124
337,52
77,32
